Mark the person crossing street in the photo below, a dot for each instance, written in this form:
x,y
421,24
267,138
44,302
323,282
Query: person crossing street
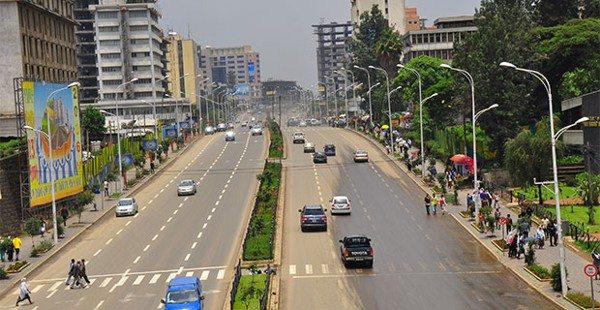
x,y
24,293
427,203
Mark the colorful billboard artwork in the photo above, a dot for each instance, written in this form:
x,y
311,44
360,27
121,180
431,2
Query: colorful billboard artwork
x,y
62,110
241,89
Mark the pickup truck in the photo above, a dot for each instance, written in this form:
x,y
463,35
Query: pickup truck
x,y
298,137
356,249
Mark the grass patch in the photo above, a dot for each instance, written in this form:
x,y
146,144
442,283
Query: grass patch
x,y
261,229
531,193
579,215
249,298
276,146
540,271
582,300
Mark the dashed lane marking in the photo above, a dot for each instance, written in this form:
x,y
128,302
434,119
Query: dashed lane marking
x,y
194,245
137,259
221,274
97,252
292,269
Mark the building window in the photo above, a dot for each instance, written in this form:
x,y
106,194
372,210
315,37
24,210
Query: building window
x,y
140,54
111,82
107,15
108,29
134,14
111,69
110,43
107,56
138,28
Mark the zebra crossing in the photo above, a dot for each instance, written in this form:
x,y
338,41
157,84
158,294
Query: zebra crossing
x,y
113,282
321,269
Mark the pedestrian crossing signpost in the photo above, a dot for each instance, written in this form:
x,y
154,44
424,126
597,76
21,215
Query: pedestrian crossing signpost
x,y
591,271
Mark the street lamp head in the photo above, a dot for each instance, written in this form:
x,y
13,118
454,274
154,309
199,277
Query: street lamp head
x,y
400,66
583,119
507,65
133,80
74,84
445,66
28,128
357,67
372,67
493,106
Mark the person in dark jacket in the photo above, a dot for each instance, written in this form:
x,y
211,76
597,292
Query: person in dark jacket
x,y
427,203
84,272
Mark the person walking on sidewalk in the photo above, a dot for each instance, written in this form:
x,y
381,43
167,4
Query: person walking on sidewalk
x,y
552,232
522,242
64,213
512,240
10,249
427,203
24,292
434,202
106,188
497,216
540,237
442,204
84,272
509,222
71,271
16,241
544,223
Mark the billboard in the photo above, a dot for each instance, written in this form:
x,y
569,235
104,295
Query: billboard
x,y
53,109
241,89
251,72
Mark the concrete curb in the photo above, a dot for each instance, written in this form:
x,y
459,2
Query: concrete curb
x,y
274,301
102,217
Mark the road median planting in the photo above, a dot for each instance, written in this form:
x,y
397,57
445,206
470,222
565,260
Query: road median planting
x,y
276,145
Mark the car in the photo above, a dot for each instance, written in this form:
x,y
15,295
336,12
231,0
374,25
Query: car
x,y
340,205
361,156
329,149
126,206
356,249
184,293
244,124
221,127
292,122
298,137
315,122
230,126
230,136
313,217
209,130
186,187
302,124
319,158
309,148
340,122
256,130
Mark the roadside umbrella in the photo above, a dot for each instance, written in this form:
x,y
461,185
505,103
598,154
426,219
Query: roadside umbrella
x,y
385,127
463,159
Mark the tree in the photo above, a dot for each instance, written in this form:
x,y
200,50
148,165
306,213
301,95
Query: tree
x,y
389,49
590,197
93,122
548,13
504,34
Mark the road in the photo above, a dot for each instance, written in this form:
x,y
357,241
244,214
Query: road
x,y
420,262
131,259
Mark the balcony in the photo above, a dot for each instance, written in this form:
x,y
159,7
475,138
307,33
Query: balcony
x,y
573,137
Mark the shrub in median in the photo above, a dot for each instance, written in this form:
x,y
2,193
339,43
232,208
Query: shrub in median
x,y
276,146
582,300
540,271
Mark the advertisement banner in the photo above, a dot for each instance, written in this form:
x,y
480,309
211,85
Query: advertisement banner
x,y
53,111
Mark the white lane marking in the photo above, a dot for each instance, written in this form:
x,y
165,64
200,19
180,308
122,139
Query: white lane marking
x,y
185,199
50,295
187,257
155,236
204,226
127,224
189,273
109,241
324,268
217,203
139,280
154,278
223,191
137,259
146,248
221,274
162,190
308,269
180,205
180,270
209,217
163,228
97,252
213,210
37,288
228,181
156,196
105,282
226,185
204,275
55,286
149,202
99,305
175,212
220,197
194,245
120,283
143,208
137,214
169,219
292,269
170,277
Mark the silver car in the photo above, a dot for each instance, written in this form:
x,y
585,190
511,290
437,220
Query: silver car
x,y
256,130
126,206
340,205
309,148
186,187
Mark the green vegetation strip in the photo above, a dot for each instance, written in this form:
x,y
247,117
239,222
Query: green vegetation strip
x,y
258,244
249,292
276,147
579,215
531,193
582,300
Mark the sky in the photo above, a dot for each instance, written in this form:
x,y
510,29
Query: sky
x,y
280,30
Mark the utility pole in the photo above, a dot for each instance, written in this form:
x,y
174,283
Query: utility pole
x,y
280,110
587,151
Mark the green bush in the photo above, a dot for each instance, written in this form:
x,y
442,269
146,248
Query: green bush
x,y
32,226
131,183
571,160
44,245
540,271
276,146
555,273
3,274
582,300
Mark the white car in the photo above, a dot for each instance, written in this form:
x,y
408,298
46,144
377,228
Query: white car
x,y
309,148
209,130
340,205
221,127
302,124
230,136
256,130
186,187
244,124
126,206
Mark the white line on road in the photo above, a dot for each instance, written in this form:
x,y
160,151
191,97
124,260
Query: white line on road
x,y
136,215
109,241
221,274
120,283
37,288
199,235
204,275
169,219
146,248
50,295
292,269
180,270
204,226
151,200
217,203
137,259
154,278
55,286
223,191
209,217
175,212
127,224
324,268
162,190
156,196
105,282
187,257
220,197
163,228
99,305
308,269
155,236
194,245
213,210
189,273
170,277
185,199
180,205
97,252
139,280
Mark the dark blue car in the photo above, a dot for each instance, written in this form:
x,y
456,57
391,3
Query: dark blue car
x,y
329,149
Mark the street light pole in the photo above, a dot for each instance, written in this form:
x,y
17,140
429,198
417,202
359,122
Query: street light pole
x,y
387,81
369,85
421,125
418,77
154,115
353,88
119,127
345,92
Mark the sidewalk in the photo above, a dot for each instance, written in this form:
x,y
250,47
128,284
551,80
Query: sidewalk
x,y
75,228
577,281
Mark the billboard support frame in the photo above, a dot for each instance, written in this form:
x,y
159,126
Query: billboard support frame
x,y
24,188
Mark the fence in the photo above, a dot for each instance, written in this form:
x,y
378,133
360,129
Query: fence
x,y
264,299
236,282
581,234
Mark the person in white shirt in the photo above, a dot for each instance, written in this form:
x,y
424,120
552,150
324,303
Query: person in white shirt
x,y
24,293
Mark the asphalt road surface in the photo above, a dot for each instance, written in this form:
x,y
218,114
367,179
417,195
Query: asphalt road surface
x,y
421,262
131,259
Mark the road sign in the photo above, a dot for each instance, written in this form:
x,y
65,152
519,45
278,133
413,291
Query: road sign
x,y
503,220
590,270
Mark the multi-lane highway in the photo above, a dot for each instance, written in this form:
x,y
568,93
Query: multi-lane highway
x,y
131,259
420,262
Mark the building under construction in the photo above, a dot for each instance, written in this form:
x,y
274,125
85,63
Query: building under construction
x,y
332,54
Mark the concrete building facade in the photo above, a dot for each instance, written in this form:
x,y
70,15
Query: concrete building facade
x,y
393,11
182,67
37,43
332,54
85,34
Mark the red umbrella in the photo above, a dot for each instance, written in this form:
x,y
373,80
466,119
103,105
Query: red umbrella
x,y
463,159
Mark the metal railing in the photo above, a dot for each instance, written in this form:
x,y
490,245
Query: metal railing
x,y
264,298
236,282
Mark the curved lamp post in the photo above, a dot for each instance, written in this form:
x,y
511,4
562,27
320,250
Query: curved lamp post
x,y
401,66
421,128
387,81
369,92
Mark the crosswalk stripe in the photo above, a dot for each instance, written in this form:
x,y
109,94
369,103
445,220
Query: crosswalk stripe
x,y
221,274
189,274
324,268
92,281
154,278
204,275
308,269
170,277
139,280
120,283
55,286
105,282
292,269
37,288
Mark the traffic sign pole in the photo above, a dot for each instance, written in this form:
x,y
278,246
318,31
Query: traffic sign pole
x,y
591,271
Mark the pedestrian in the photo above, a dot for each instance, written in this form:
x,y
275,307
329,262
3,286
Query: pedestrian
x,y
442,204
509,222
70,273
152,167
511,240
555,233
596,258
496,199
106,188
552,233
64,213
434,202
84,272
427,203
497,216
2,250
10,249
522,241
16,241
540,237
24,292
76,275
544,225
42,227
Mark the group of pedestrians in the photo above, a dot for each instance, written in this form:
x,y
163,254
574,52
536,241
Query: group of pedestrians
x,y
518,237
78,273
433,203
10,248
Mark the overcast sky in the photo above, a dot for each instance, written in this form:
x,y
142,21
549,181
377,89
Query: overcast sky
x,y
280,30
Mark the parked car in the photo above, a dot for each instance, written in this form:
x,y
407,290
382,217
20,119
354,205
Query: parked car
x,y
209,130
313,217
356,249
221,127
256,130
319,158
315,122
230,126
298,137
340,205
184,293
302,124
126,206
361,156
329,149
244,124
309,147
230,136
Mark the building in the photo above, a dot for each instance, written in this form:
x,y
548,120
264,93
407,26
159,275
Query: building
x,y
588,134
332,53
412,20
237,67
393,11
438,41
87,71
182,67
38,43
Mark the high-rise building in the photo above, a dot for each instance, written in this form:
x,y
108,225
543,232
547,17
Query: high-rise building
x,y
87,71
332,53
393,11
37,43
182,67
238,67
